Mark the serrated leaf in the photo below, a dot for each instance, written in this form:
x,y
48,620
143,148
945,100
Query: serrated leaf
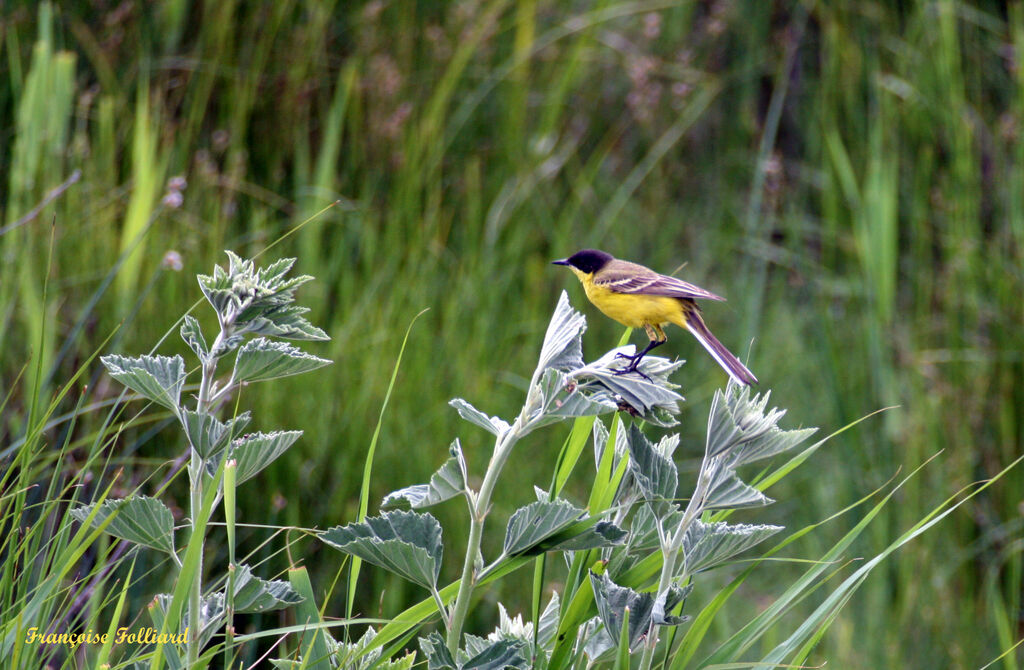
x,y
563,341
193,336
211,615
548,626
506,653
480,654
727,491
227,345
612,601
253,594
256,451
510,627
438,657
562,397
405,663
159,378
652,397
491,424
655,474
261,359
600,436
406,543
245,293
740,425
207,435
643,529
599,535
706,545
286,322
666,602
445,484
139,519
644,608
531,525
597,640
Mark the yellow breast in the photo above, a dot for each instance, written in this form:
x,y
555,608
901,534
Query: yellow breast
x,y
631,309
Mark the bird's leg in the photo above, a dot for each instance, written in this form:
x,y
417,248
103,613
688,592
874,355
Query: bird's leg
x,y
657,337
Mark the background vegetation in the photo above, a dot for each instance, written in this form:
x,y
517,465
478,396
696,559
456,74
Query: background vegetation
x,y
849,174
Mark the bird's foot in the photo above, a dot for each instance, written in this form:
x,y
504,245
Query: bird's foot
x,y
634,361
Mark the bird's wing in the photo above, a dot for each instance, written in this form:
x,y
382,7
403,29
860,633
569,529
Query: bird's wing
x,y
625,277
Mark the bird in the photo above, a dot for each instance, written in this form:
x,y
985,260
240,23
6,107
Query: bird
x,y
637,296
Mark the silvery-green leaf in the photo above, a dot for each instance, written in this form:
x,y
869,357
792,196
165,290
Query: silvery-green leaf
x,y
597,640
139,519
479,654
406,662
654,473
728,492
358,655
563,341
286,322
510,627
227,345
407,543
211,616
491,424
436,650
740,425
644,396
643,530
245,292
548,625
612,600
445,484
256,451
253,594
174,654
595,536
536,522
562,397
193,336
260,359
159,378
506,653
580,403
600,436
666,602
222,300
708,545
209,436
542,495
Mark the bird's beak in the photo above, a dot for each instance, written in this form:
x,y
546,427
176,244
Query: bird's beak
x,y
561,261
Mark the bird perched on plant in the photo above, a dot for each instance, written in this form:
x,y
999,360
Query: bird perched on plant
x,y
637,296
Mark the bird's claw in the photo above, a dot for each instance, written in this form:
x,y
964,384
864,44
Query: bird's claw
x,y
631,368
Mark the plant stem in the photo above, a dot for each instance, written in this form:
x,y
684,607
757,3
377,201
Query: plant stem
x,y
195,476
502,449
670,554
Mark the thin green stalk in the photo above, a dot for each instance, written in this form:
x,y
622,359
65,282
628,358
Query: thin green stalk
x,y
670,554
195,597
195,475
480,505
502,449
230,477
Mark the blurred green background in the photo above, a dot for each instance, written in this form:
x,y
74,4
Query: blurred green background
x,y
850,175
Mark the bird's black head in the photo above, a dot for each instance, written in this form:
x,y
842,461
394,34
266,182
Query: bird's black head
x,y
587,260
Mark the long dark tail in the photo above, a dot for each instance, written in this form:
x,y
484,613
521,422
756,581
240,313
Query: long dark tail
x,y
739,372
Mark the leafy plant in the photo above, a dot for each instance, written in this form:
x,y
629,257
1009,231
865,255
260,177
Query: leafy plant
x,y
625,539
250,302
